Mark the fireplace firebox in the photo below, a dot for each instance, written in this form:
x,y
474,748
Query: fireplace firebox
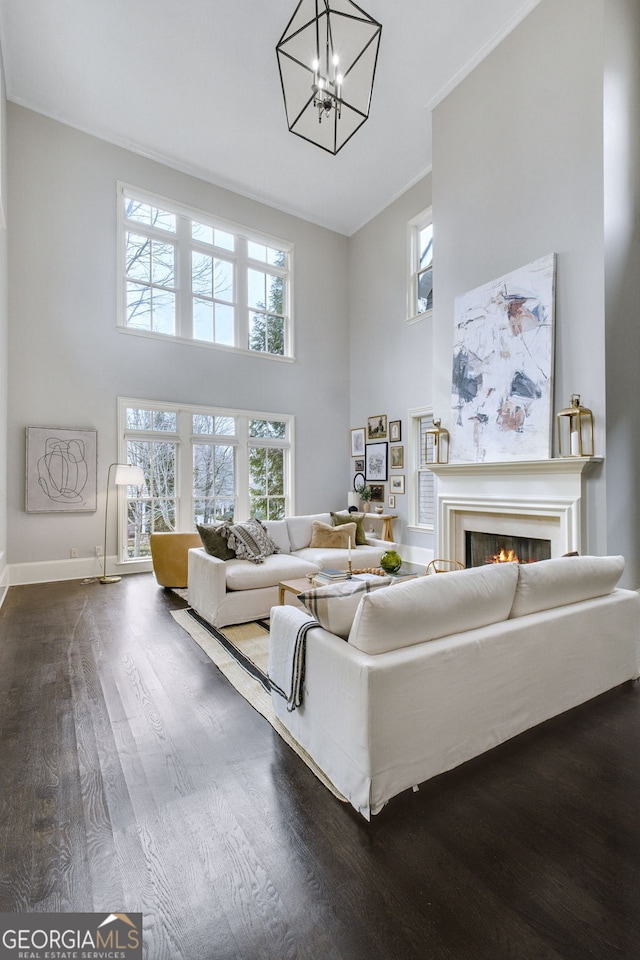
x,y
482,548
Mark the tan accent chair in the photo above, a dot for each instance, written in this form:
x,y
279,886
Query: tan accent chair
x,y
169,552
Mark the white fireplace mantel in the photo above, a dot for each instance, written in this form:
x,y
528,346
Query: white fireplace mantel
x,y
542,497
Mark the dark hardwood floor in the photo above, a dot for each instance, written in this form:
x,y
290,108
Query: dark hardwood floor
x,y
134,778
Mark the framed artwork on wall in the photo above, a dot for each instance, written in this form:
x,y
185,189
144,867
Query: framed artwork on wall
x,y
391,501
377,493
395,431
396,484
357,442
376,458
502,377
397,457
61,473
377,427
358,466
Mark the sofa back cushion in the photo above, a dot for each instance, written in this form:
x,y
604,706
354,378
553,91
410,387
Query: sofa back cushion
x,y
334,606
434,606
300,529
554,583
279,533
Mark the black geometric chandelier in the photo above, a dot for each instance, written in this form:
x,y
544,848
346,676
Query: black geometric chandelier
x,y
327,58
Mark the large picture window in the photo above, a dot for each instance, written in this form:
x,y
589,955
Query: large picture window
x,y
186,275
200,465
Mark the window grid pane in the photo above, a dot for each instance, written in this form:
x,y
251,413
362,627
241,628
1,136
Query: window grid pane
x,y
420,294
426,508
152,507
213,482
266,478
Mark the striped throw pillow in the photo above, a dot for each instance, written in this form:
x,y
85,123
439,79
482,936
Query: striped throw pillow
x,y
335,605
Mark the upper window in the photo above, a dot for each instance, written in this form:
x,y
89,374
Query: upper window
x,y
420,298
184,274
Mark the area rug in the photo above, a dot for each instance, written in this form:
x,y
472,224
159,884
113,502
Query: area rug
x,y
241,653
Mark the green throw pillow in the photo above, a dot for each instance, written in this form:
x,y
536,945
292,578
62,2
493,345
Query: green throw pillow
x,y
213,541
358,519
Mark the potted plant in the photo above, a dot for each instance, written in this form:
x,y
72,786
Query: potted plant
x,y
365,496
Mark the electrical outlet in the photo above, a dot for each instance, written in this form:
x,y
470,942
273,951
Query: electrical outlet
x,y
73,552
99,551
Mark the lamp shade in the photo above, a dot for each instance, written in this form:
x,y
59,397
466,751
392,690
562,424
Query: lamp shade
x,y
128,475
327,58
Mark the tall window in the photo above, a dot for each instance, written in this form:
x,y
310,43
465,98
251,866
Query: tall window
x,y
423,507
184,274
201,464
420,293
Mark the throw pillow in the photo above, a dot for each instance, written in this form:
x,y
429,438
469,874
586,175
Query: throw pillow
x,y
335,605
358,519
214,542
325,535
250,540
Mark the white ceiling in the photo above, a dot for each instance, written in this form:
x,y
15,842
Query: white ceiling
x,y
195,84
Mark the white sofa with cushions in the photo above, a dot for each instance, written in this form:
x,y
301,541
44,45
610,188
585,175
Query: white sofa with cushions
x,y
437,670
233,590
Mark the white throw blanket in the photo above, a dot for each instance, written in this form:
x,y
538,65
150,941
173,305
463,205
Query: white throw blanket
x,y
286,658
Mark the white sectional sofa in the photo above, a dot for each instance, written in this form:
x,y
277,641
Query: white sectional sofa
x,y
439,669
236,591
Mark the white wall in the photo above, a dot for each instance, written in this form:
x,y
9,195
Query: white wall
x,y
4,334
69,363
622,276
518,173
390,369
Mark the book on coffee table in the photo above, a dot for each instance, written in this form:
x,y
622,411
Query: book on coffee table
x,y
329,575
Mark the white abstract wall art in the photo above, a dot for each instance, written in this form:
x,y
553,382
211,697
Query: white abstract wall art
x,y
502,382
61,470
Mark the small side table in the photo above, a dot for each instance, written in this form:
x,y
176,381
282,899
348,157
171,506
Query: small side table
x,y
387,523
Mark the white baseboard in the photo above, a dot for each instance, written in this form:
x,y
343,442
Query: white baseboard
x,y
83,568
4,583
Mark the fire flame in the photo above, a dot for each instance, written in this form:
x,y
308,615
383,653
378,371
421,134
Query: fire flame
x,y
506,556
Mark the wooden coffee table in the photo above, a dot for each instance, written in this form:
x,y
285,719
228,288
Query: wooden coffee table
x,y
293,586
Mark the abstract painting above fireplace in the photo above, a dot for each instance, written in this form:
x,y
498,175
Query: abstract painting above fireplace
x,y
503,368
